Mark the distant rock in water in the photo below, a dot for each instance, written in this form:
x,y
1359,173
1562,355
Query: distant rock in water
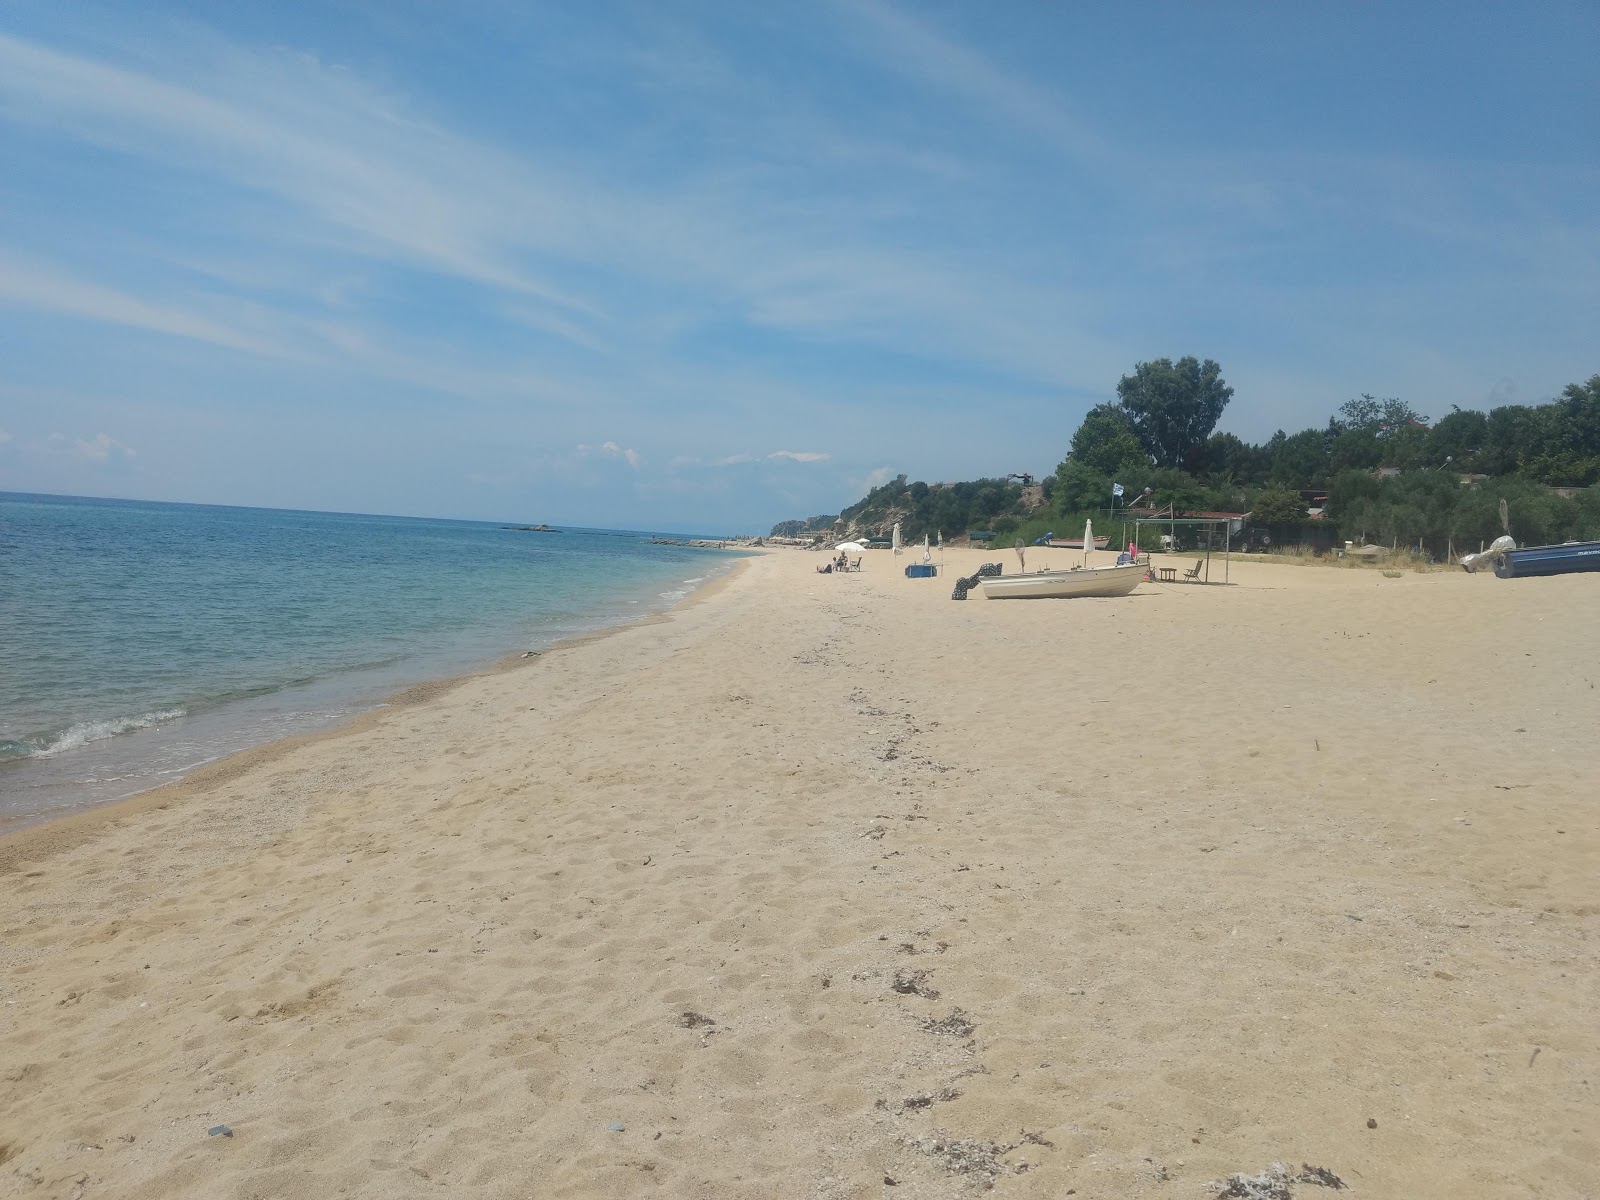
x,y
533,529
706,543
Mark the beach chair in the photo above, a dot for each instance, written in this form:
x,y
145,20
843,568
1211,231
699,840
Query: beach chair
x,y
1194,575
856,566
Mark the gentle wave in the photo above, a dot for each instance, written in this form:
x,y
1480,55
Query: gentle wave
x,y
160,636
85,732
676,594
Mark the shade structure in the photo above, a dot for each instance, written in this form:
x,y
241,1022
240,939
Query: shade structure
x,y
1088,540
852,547
896,543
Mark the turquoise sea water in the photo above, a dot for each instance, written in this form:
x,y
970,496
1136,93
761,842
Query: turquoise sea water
x,y
140,639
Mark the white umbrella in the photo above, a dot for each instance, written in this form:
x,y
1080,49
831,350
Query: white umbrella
x,y
896,546
927,554
1088,540
852,547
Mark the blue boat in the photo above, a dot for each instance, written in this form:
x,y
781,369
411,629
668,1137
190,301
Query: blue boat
x,y
1549,560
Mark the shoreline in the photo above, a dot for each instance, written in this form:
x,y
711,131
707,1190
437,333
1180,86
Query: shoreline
x,y
57,829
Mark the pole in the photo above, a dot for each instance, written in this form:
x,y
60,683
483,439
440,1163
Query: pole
x,y
1227,550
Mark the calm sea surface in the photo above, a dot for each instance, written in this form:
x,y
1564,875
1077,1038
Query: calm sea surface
x,y
138,640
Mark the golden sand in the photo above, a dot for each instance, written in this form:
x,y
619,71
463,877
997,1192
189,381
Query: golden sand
x,y
827,881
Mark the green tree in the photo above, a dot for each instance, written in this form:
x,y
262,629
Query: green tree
x,y
1173,407
1515,434
1457,438
1364,412
1227,456
1300,461
1278,507
1105,441
1356,449
1080,488
1379,417
1177,489
1406,447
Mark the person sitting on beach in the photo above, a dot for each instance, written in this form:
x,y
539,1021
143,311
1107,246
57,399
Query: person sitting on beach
x,y
842,563
825,569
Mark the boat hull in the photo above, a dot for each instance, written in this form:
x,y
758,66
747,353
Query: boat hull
x,y
1549,560
1071,543
1059,585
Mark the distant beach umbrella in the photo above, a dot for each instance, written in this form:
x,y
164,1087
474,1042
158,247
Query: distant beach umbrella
x,y
852,547
896,545
1088,540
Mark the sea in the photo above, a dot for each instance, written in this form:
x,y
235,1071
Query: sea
x,y
139,640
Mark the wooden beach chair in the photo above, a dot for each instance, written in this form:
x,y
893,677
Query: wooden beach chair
x,y
1194,575
856,566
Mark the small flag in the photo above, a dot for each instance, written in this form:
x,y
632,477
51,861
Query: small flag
x,y
1116,489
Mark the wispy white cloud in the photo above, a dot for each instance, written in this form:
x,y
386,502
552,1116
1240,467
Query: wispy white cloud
x,y
735,459
801,456
254,329
628,454
611,450
313,137
359,173
40,286
916,49
100,448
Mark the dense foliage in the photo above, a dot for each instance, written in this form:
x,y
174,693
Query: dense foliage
x,y
811,525
1434,493
1173,407
950,509
1443,485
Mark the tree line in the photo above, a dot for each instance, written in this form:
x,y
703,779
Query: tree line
x,y
1158,441
936,509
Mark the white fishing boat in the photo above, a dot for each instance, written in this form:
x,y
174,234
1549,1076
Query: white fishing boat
x,y
1073,543
1079,581
1076,581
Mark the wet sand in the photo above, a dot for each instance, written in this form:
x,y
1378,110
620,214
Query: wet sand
x,y
825,881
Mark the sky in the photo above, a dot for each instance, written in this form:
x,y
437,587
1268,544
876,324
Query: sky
x,y
702,266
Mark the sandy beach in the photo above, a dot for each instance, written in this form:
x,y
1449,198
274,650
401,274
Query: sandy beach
x,y
828,886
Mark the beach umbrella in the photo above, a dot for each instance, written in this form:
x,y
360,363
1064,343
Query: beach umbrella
x,y
897,537
852,547
927,552
1088,540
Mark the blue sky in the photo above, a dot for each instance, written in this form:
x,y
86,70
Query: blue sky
x,y
703,266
